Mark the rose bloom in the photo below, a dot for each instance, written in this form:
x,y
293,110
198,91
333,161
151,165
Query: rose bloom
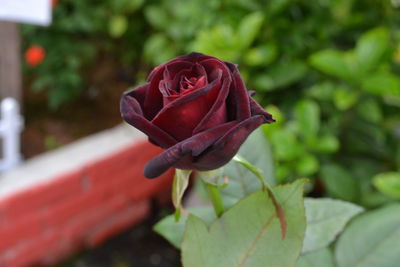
x,y
197,108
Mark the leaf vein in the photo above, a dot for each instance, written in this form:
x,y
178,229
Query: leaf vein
x,y
380,243
264,230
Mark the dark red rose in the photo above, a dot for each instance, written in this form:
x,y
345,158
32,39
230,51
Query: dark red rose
x,y
197,108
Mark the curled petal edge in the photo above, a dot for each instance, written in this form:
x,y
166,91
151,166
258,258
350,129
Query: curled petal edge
x,y
256,109
132,113
194,145
226,147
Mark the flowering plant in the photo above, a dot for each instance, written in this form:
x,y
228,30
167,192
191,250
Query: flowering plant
x,y
197,108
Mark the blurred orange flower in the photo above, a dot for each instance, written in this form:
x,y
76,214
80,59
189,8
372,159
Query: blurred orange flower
x,y
34,55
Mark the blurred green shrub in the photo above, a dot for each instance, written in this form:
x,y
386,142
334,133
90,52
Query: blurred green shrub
x,y
328,71
80,33
330,66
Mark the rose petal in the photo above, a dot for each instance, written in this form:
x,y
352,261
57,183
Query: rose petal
x,y
187,111
172,68
238,100
192,146
174,83
256,109
171,88
153,101
132,113
195,69
223,150
194,57
200,71
217,114
212,67
161,67
139,93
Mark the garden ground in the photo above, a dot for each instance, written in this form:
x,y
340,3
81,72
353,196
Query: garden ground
x,y
139,246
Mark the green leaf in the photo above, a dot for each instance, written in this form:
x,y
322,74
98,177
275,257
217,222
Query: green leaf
x,y
263,82
248,29
126,6
388,183
370,110
319,258
157,16
117,26
366,137
274,7
382,83
371,240
219,41
285,144
335,63
262,55
283,172
392,100
249,233
258,173
241,181
172,230
322,91
374,199
398,156
371,48
326,144
281,75
307,113
326,218
339,183
307,165
159,49
344,98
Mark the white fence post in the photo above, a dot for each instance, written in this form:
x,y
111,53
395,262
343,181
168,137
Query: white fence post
x,y
10,129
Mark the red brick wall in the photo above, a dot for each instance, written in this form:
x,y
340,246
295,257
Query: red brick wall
x,y
79,209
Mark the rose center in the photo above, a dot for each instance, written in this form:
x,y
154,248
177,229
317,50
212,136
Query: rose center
x,y
188,84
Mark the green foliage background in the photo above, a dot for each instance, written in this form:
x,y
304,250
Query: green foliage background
x,y
327,70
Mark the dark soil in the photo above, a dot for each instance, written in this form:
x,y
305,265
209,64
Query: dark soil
x,y
137,247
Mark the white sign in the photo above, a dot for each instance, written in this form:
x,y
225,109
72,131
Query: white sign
x,y
27,11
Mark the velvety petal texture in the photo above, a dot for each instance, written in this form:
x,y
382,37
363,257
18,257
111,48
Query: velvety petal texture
x,y
197,108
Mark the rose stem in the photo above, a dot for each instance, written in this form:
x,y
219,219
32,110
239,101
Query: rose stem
x,y
216,199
